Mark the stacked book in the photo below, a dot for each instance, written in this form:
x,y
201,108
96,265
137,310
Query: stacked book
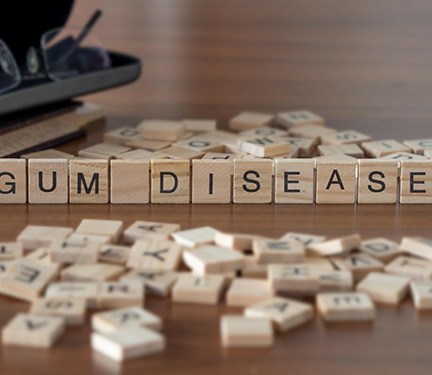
x,y
42,127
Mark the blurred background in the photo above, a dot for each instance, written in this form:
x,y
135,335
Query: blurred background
x,y
362,64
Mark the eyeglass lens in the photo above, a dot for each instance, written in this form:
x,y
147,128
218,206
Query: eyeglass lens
x,y
9,72
65,58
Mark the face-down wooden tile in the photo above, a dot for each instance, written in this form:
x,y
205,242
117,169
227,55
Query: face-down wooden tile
x,y
285,313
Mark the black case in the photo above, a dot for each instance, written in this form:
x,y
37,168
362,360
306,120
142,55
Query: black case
x,y
21,25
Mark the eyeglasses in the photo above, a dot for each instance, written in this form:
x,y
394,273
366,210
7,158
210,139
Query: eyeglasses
x,y
63,53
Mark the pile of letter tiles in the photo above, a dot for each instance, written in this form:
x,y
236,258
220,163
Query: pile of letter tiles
x,y
107,272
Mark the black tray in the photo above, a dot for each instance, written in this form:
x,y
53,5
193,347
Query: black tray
x,y
22,22
30,94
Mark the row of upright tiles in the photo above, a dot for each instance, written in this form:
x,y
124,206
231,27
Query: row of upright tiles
x,y
295,181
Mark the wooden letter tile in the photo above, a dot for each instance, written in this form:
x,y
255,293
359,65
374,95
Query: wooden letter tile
x,y
13,181
114,254
283,312
11,250
35,236
359,264
141,230
304,238
253,270
305,146
204,289
49,153
130,181
156,283
336,181
195,237
170,181
345,137
117,294
298,118
253,181
264,146
42,255
129,317
71,310
277,251
48,181
336,246
88,181
237,241
246,292
417,246
416,181
335,280
421,292
335,307
264,131
414,268
213,259
243,332
146,144
33,331
77,251
159,255
403,156
128,343
200,125
101,239
202,144
313,131
377,149
348,149
87,291
91,272
384,288
26,280
294,180
102,151
381,249
122,135
139,154
182,153
111,228
4,265
162,130
212,181
377,181
249,120
419,145
298,278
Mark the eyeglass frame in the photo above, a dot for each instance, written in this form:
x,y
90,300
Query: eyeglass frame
x,y
36,64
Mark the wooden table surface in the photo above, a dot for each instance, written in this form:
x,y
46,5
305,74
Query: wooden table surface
x,y
362,64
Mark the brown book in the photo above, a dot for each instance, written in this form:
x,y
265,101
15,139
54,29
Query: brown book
x,y
39,128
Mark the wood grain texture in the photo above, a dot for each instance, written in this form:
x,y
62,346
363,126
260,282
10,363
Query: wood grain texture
x,y
361,65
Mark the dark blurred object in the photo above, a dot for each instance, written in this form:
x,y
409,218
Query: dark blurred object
x,y
23,23
22,26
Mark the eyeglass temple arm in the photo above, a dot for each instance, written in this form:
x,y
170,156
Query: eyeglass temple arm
x,y
84,32
87,28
